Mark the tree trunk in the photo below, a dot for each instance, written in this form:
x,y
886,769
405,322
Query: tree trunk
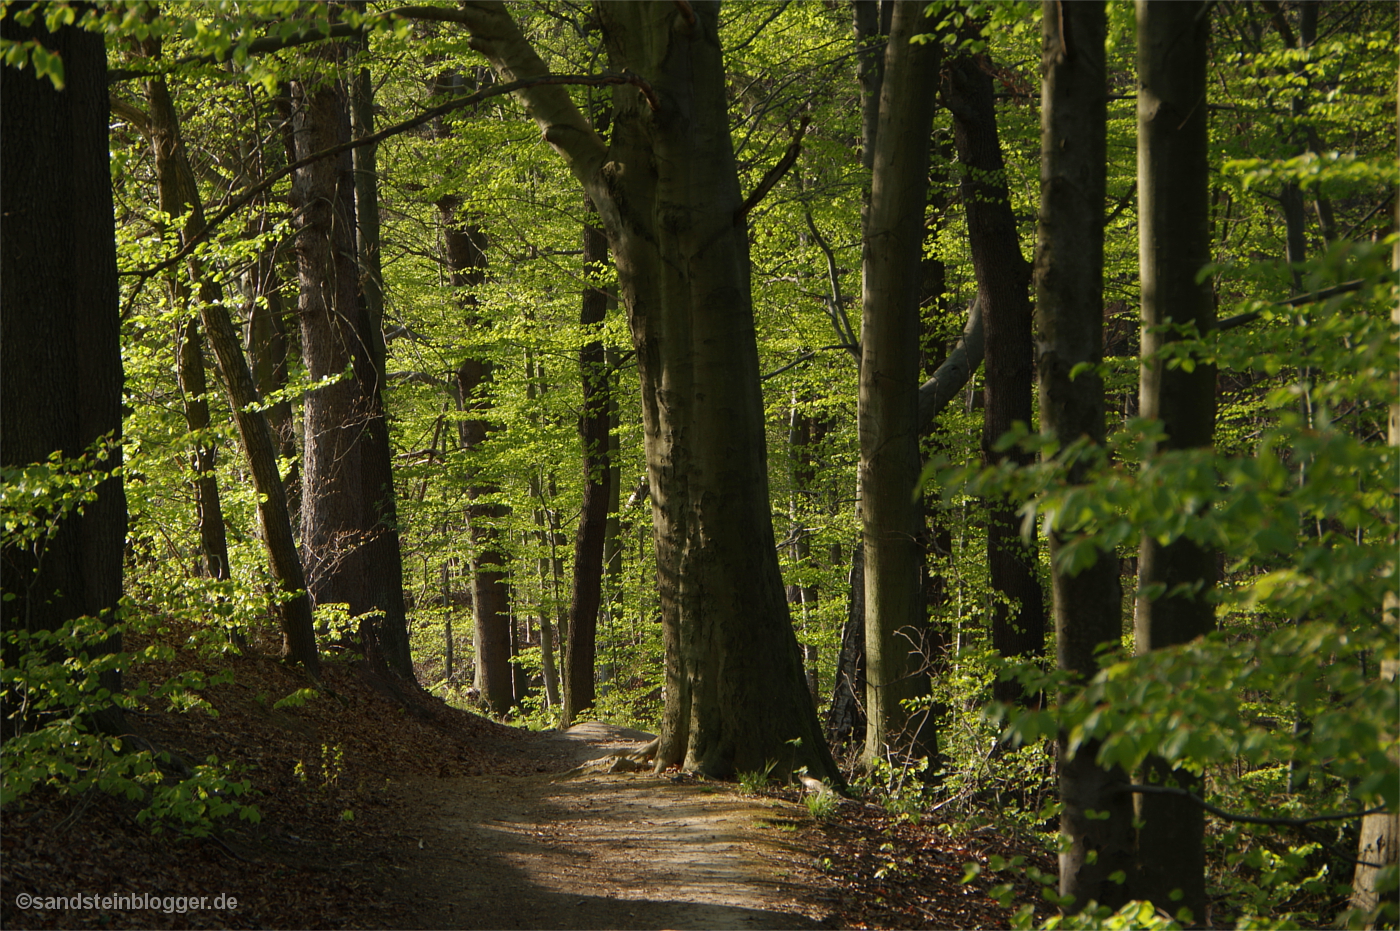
x,y
60,348
332,531
888,410
387,634
298,636
177,193
1003,279
593,423
1088,605
1379,844
1174,244
668,193
845,720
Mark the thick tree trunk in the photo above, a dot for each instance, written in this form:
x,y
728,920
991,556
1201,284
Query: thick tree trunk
x,y
1088,605
332,529
593,431
349,516
60,349
1003,279
668,193
1174,244
888,409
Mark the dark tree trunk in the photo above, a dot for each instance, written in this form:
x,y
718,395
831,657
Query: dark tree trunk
x,y
60,349
1174,244
466,262
332,525
895,624
668,192
267,357
1003,279
349,515
581,649
845,720
388,633
1088,605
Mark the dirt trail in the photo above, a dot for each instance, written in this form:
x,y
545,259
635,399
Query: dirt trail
x,y
597,851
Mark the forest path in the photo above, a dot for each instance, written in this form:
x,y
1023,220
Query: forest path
x,y
597,851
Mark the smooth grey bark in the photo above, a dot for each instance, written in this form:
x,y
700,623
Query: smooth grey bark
x,y
667,190
1003,284
593,428
60,349
1088,607
888,404
1175,579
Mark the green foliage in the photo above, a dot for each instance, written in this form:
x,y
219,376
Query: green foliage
x,y
753,782
56,693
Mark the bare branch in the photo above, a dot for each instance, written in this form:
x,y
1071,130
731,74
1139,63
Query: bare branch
x,y
936,393
774,174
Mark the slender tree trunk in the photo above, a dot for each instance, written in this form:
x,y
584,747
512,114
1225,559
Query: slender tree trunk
x,y
465,253
888,409
1379,844
593,431
1174,244
383,556
267,358
1088,605
177,193
298,636
1003,279
60,348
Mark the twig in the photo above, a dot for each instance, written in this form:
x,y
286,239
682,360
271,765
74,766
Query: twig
x,y
497,90
1313,297
836,309
774,174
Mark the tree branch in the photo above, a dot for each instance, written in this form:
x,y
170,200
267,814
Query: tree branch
x,y
835,305
256,47
1239,320
774,174
1244,819
496,35
426,116
936,393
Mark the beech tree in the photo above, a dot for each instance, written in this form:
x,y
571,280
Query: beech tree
x,y
895,624
1088,607
1003,282
1174,580
669,198
60,351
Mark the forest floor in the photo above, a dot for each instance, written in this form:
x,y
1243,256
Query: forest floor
x,y
385,808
